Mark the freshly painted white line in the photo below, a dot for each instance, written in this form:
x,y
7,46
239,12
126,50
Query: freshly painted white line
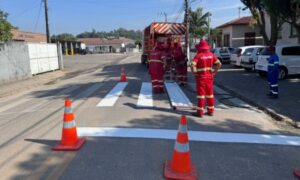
x,y
111,98
145,97
193,135
177,96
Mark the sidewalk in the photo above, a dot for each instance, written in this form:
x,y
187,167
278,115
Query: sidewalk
x,y
248,88
30,83
253,89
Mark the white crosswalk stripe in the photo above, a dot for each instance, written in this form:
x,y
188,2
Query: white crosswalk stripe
x,y
111,98
145,97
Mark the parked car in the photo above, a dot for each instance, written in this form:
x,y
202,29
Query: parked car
x,y
249,57
223,54
289,60
236,56
231,49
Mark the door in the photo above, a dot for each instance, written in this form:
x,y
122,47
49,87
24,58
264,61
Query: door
x,y
291,58
249,38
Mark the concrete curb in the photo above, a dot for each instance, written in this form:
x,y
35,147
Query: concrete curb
x,y
268,111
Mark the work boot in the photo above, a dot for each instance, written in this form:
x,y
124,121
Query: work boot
x,y
197,115
210,114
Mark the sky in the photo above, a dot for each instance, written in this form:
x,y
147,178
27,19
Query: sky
x,y
76,16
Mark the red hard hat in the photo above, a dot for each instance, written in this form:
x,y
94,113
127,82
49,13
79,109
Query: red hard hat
x,y
202,45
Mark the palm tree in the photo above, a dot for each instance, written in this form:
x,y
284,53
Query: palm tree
x,y
198,23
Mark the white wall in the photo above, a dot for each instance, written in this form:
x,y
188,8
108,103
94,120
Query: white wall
x,y
14,62
286,28
238,35
286,31
20,60
43,57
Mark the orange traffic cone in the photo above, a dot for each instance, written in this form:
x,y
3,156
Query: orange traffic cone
x,y
297,174
123,75
180,166
69,139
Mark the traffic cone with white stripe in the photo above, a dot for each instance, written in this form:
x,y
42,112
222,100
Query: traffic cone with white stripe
x,y
123,75
180,166
69,139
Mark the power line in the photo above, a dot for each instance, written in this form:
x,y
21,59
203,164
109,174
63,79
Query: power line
x,y
38,17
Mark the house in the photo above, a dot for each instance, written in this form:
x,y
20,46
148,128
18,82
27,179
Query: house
x,y
28,36
286,35
111,45
239,32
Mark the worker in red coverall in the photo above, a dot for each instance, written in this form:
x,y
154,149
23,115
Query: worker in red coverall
x,y
167,58
156,67
181,64
203,66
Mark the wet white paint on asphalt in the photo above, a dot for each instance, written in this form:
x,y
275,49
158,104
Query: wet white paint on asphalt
x,y
177,96
145,97
193,135
111,98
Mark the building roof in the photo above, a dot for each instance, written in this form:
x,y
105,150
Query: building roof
x,y
239,21
28,36
91,41
106,42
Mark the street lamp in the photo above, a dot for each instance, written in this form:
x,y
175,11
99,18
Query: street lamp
x,y
208,22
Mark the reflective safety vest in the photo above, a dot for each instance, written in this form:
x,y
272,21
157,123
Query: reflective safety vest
x,y
203,63
156,62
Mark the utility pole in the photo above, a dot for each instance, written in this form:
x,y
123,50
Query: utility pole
x,y
187,24
239,11
47,22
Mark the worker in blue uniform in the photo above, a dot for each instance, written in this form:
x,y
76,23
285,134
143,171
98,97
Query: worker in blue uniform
x,y
273,72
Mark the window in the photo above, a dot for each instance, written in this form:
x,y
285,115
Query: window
x,y
224,50
293,31
237,51
248,52
265,52
249,38
291,51
279,33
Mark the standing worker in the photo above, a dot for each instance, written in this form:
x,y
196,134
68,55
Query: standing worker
x,y
203,65
181,64
156,67
273,72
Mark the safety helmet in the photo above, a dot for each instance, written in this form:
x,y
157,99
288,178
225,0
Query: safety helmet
x,y
202,45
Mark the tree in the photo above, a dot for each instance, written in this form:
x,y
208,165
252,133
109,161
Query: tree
x,y
198,23
258,9
64,37
5,27
121,32
289,11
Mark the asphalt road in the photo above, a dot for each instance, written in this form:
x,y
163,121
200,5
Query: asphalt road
x,y
30,124
253,87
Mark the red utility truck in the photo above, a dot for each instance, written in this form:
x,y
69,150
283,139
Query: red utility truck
x,y
157,30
